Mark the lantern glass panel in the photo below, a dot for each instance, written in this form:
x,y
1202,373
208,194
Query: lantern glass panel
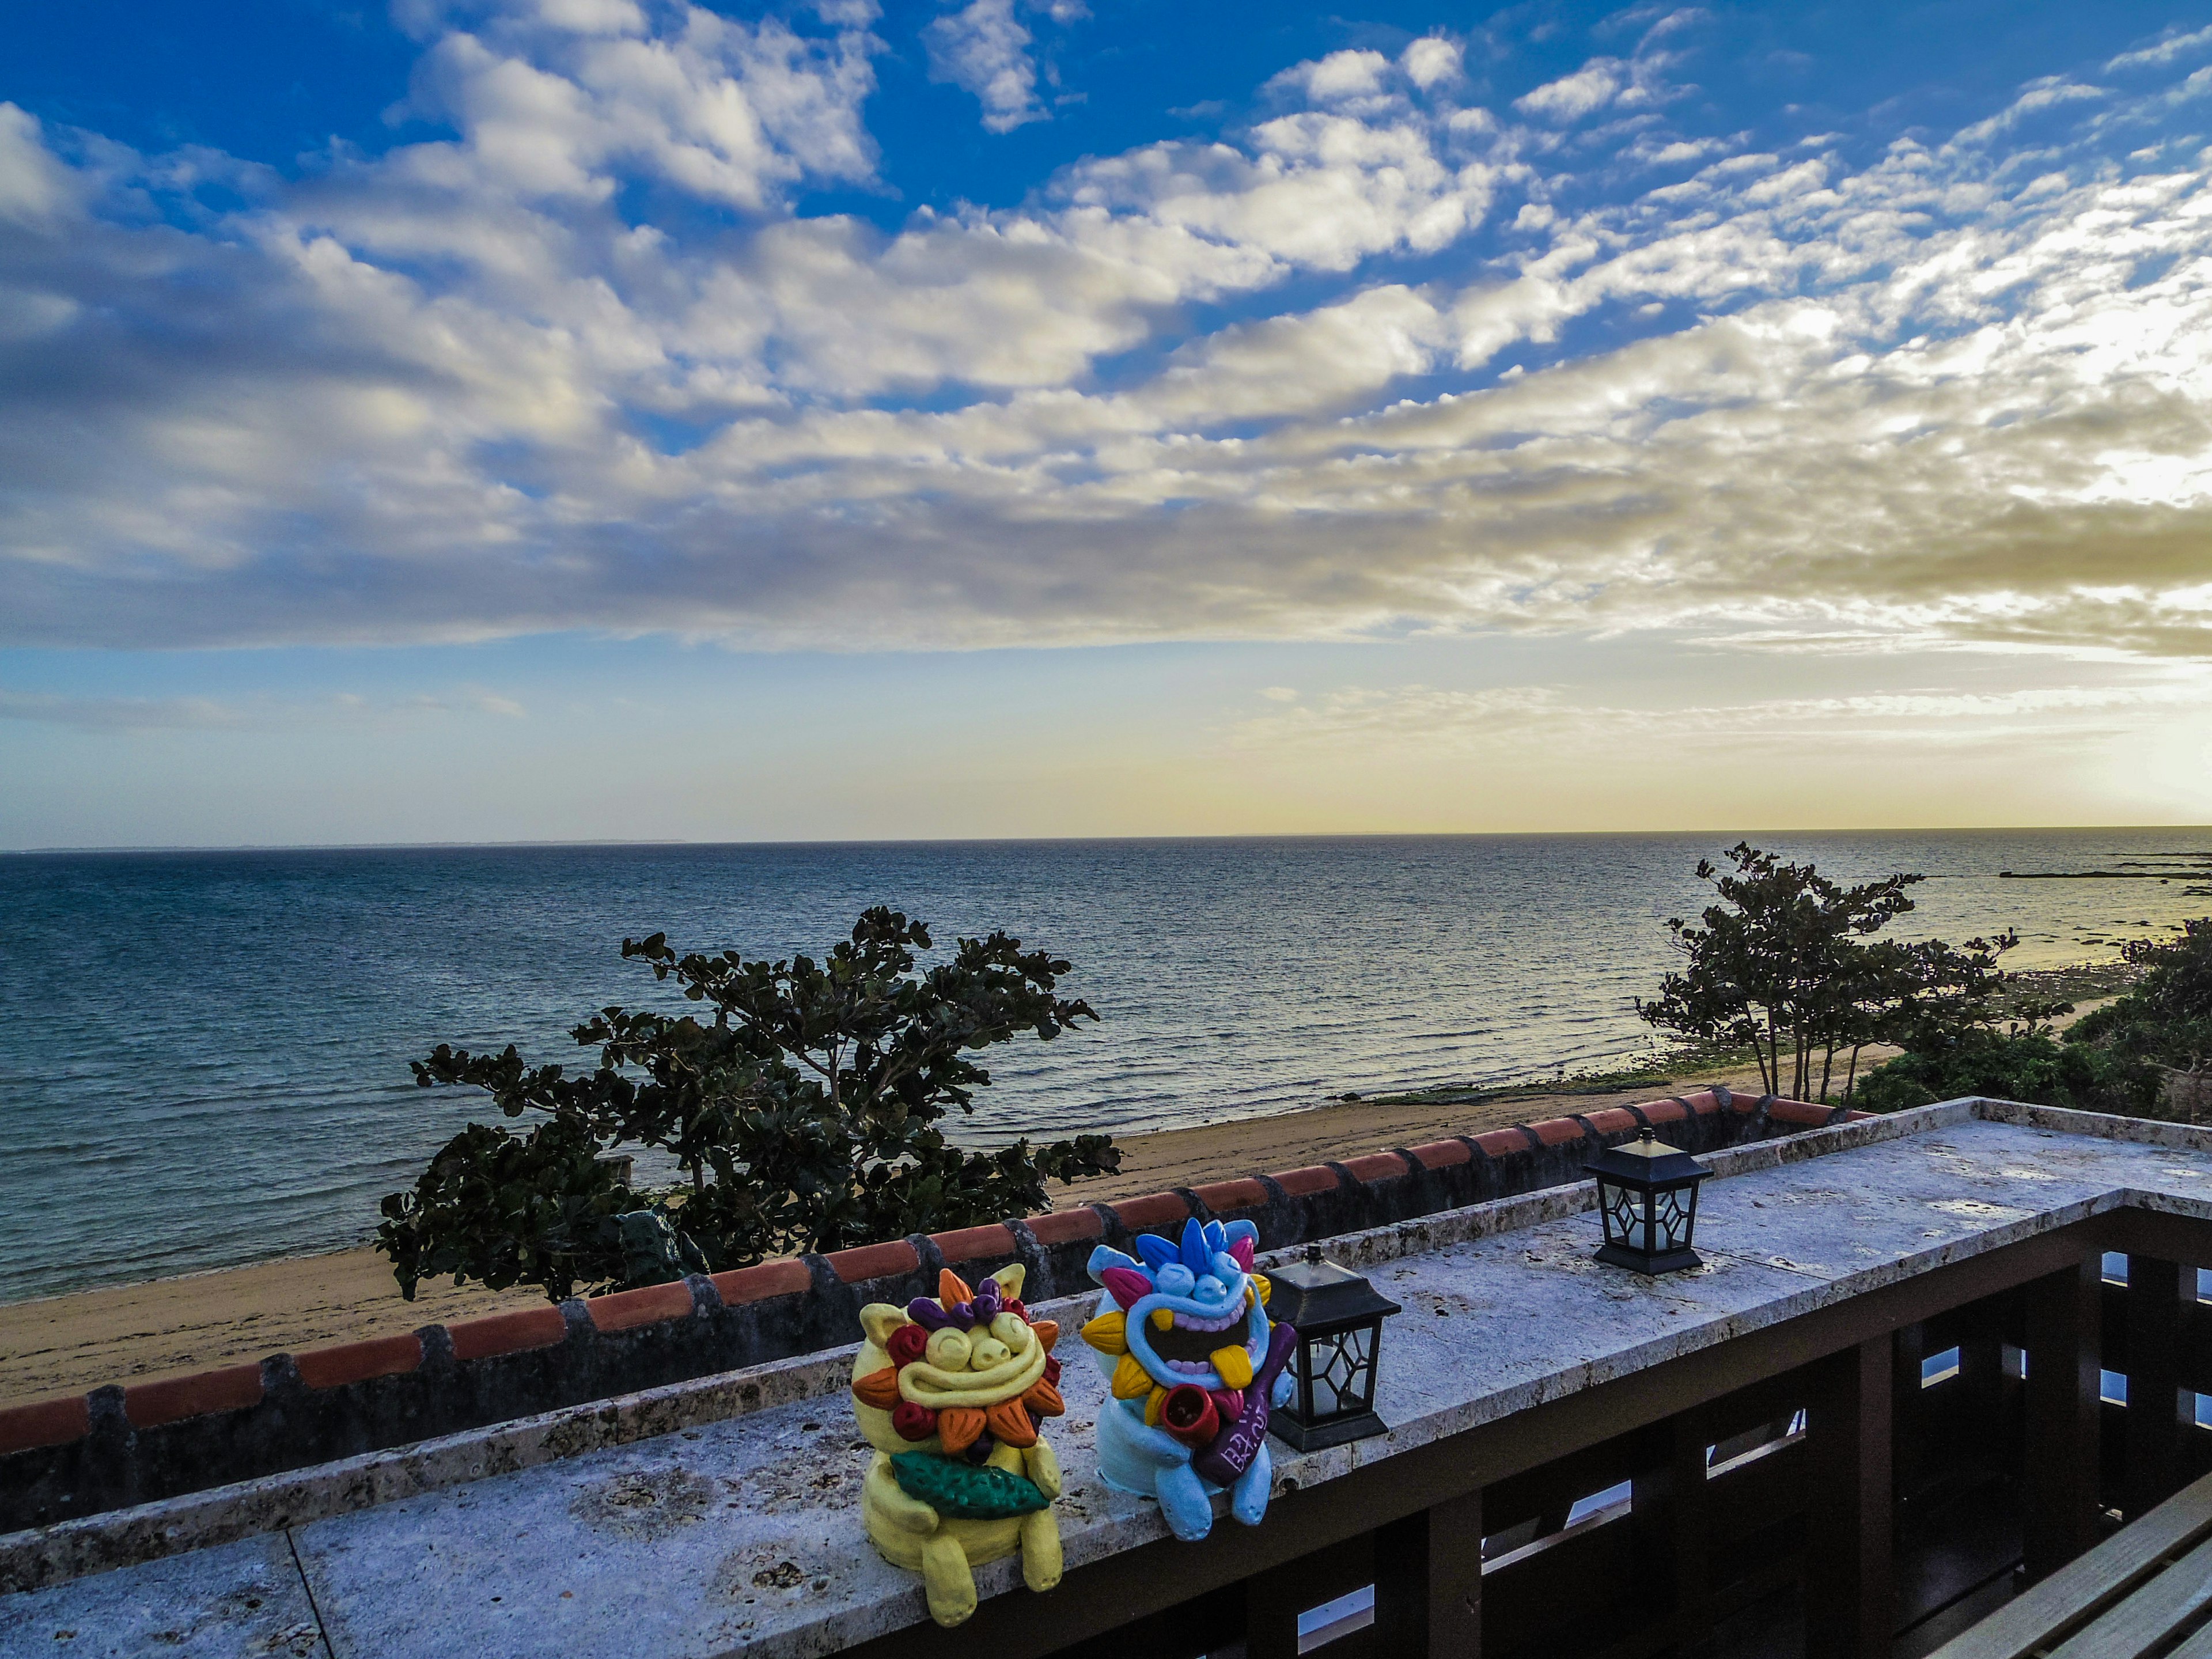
x,y
1624,1214
1343,1365
1672,1218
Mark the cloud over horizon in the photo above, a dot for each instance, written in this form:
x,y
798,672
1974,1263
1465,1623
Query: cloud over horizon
x,y
1368,360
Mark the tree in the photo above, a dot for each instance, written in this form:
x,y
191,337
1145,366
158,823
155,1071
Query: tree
x,y
803,1115
2166,1018
1777,962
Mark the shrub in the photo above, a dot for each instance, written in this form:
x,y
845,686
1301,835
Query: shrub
x,y
2027,1063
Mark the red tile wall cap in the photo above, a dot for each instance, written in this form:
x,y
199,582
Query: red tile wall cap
x,y
1856,1115
1612,1121
506,1333
1704,1102
648,1304
356,1362
884,1260
231,1388
1154,1212
1376,1166
46,1423
1664,1111
1441,1154
1223,1196
1556,1131
1502,1143
1798,1111
1066,1227
968,1243
1304,1183
761,1281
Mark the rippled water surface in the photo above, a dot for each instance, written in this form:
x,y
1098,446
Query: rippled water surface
x,y
203,1056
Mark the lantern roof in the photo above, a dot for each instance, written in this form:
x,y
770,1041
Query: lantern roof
x,y
1316,1296
1646,1161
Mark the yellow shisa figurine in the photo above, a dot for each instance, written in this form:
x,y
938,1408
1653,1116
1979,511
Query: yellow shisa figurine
x,y
948,1392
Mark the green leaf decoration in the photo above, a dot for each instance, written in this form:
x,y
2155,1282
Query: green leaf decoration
x,y
966,1491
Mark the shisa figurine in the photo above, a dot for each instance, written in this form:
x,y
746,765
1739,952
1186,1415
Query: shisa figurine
x,y
948,1392
1194,1367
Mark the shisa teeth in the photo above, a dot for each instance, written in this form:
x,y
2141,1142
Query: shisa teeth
x,y
1190,1367
1186,1321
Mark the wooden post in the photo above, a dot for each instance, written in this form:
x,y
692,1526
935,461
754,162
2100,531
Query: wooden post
x,y
1848,1602
1671,1528
1428,1582
1982,1381
1273,1601
2058,1486
1908,1350
2155,1308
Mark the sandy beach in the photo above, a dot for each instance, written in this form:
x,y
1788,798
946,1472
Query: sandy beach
x,y
135,1333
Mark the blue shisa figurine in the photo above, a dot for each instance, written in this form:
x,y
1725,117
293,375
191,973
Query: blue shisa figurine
x,y
1194,1367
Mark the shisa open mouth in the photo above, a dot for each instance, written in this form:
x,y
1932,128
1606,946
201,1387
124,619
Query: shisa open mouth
x,y
1189,1344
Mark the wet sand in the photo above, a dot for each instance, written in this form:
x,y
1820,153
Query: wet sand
x,y
135,1333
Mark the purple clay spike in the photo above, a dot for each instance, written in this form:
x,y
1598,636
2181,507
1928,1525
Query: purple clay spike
x,y
963,1315
986,1296
927,1313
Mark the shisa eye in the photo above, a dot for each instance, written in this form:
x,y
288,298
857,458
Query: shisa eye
x,y
1010,1329
948,1349
1175,1280
1211,1289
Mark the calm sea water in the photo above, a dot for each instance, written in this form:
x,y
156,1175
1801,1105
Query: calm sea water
x,y
203,1056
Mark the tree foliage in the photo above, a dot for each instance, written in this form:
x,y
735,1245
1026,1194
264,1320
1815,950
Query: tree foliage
x,y
802,1103
2166,1018
2025,1063
1779,964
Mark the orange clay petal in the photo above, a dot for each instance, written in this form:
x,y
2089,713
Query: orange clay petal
x,y
958,1426
1108,1333
1048,1333
1012,1423
952,1288
877,1389
1043,1400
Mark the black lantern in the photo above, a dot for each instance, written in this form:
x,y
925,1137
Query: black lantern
x,y
1338,1319
1647,1191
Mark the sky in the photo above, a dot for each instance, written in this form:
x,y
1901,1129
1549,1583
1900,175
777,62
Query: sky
x,y
515,420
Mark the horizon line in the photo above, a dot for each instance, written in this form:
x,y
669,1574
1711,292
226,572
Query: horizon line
x,y
126,849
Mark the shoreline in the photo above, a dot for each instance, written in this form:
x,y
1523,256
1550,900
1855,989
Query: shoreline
x,y
81,1340
76,1340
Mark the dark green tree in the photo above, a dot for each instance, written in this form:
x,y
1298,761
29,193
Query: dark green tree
x,y
2166,1018
802,1103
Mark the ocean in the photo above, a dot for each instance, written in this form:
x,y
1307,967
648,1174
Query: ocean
x,y
203,1055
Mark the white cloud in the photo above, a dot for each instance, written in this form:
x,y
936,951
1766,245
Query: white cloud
x,y
1573,96
983,49
1433,61
1955,397
2163,52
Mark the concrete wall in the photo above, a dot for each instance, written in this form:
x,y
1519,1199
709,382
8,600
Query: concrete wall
x,y
121,1445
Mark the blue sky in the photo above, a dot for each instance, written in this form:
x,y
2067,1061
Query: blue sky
x,y
545,418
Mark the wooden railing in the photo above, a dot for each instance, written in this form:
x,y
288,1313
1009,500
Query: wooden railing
x,y
1876,1474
